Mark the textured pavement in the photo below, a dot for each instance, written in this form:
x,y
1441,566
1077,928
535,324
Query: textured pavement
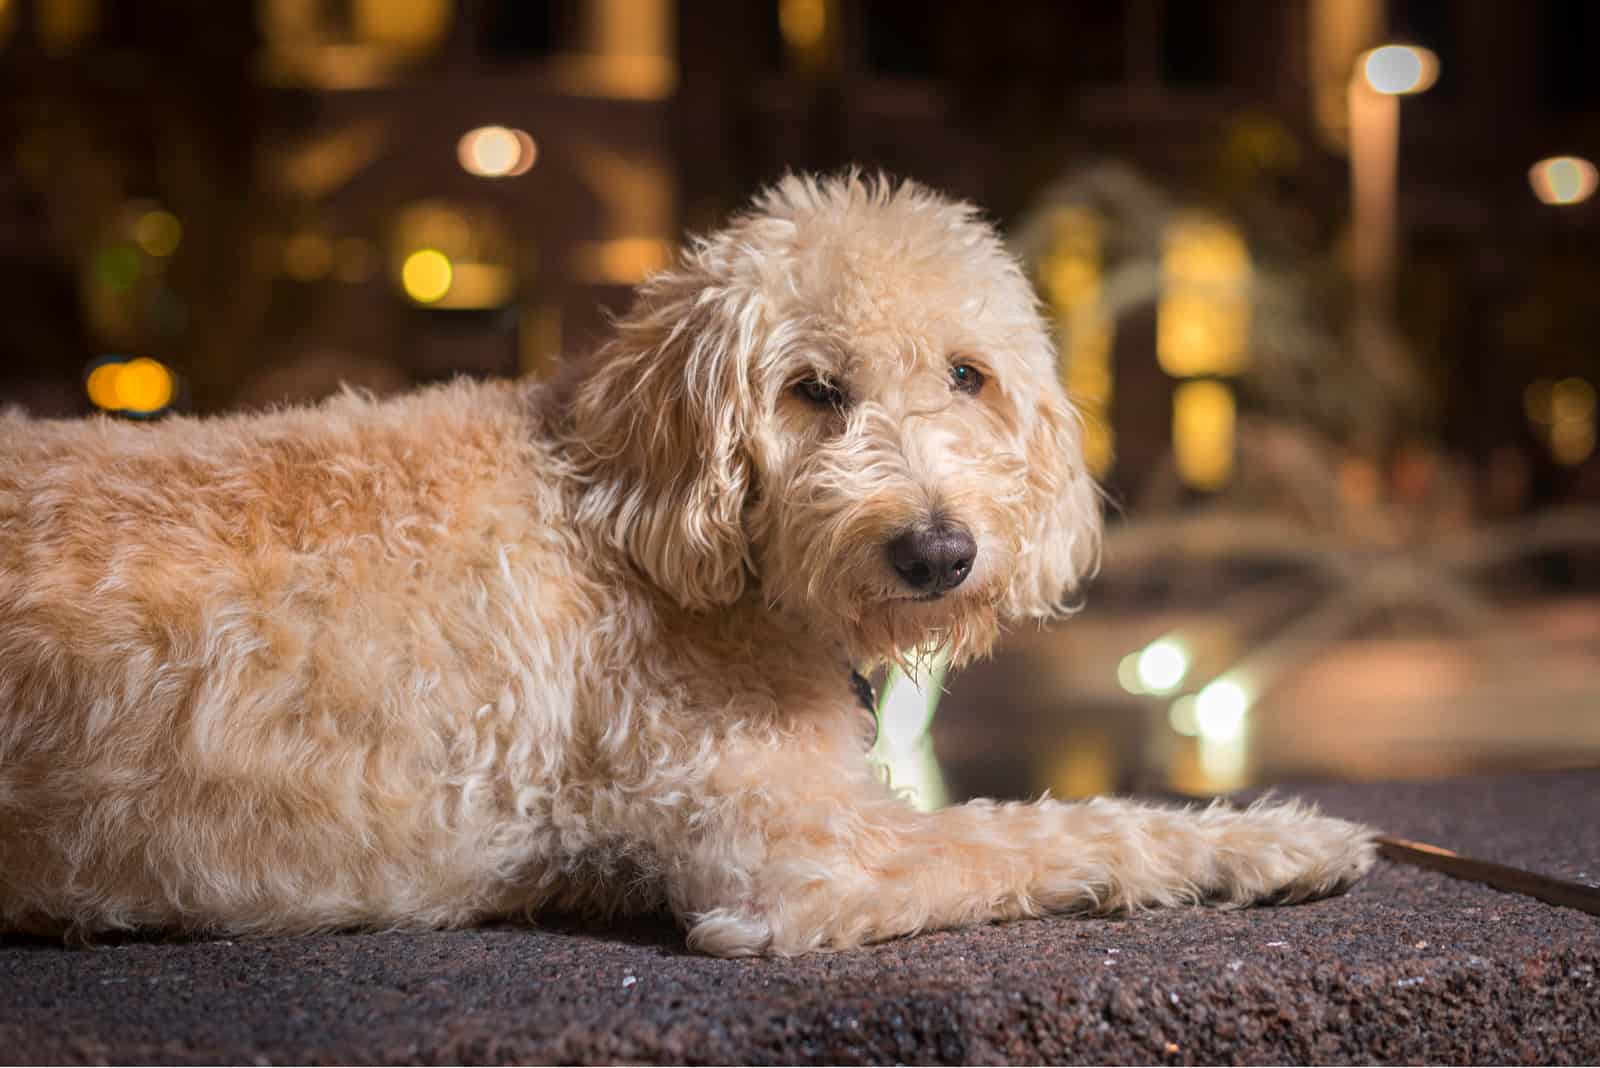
x,y
1410,966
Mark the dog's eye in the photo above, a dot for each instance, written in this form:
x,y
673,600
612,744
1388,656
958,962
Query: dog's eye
x,y
819,392
966,378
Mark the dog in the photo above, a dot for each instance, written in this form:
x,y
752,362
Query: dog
x,y
493,648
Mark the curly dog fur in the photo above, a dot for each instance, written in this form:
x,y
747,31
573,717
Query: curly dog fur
x,y
488,648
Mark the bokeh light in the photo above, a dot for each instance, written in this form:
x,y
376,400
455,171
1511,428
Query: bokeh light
x,y
804,25
158,232
1563,180
1162,665
496,152
1181,717
1571,443
1563,414
102,386
427,275
1399,69
1572,400
137,387
1220,709
143,386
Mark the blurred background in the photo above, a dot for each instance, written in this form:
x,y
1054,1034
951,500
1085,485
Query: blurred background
x,y
1324,274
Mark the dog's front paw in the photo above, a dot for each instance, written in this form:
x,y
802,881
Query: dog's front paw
x,y
1285,853
729,933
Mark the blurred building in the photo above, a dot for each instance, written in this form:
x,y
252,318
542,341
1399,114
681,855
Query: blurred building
x,y
275,196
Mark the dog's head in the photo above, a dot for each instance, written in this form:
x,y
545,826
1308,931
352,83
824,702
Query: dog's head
x,y
847,402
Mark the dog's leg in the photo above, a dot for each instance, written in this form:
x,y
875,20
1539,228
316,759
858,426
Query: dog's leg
x,y
831,869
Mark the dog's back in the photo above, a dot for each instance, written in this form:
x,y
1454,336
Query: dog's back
x,y
234,653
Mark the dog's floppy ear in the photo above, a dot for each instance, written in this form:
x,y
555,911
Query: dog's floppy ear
x,y
1062,545
663,421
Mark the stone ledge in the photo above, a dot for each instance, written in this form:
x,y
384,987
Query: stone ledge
x,y
1410,966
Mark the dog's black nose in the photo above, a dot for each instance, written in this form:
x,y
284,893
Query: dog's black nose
x,y
934,559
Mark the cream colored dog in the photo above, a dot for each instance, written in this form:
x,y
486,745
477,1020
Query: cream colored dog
x,y
490,648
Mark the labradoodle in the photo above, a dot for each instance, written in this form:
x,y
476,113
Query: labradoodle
x,y
492,648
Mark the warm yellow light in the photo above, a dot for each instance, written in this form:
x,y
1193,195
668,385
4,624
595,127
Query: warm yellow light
x,y
1572,441
1202,433
1099,446
1572,400
1084,765
1205,251
1564,410
1563,180
432,225
803,23
409,27
1088,377
1070,274
1394,70
142,386
496,152
427,275
158,232
478,285
1203,317
1199,333
307,256
102,385
622,261
63,24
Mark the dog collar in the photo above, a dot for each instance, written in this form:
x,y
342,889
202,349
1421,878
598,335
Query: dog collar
x,y
867,698
862,686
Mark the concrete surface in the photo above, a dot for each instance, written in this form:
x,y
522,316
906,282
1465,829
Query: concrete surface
x,y
1410,966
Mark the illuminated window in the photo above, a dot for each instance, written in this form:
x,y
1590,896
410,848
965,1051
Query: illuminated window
x,y
1203,324
1203,432
1070,275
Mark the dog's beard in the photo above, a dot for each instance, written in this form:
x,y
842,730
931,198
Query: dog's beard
x,y
823,553
902,630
